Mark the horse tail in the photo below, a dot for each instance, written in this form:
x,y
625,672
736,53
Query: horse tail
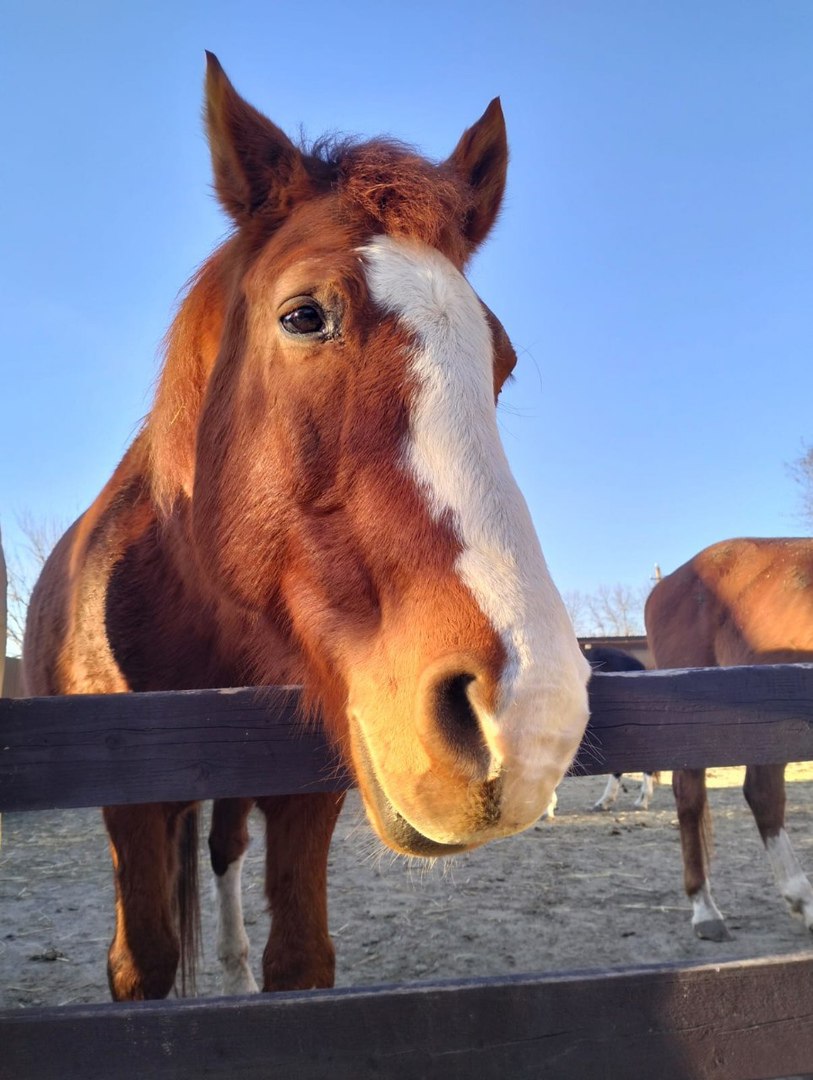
x,y
187,900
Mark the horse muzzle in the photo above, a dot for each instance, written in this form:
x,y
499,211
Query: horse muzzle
x,y
454,770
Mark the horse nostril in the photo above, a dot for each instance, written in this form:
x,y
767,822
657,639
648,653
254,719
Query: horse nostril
x,y
457,720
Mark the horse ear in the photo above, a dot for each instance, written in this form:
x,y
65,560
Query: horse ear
x,y
256,166
480,159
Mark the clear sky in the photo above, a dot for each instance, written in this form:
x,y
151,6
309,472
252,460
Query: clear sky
x,y
653,263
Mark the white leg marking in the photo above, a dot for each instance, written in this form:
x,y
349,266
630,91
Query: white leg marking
x,y
232,940
550,812
610,794
455,453
646,792
790,878
706,913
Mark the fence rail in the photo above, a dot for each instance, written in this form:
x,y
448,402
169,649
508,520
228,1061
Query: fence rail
x,y
734,1020
95,750
738,1020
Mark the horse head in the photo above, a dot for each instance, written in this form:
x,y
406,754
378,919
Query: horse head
x,y
328,414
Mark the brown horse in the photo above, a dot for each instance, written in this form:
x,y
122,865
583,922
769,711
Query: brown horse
x,y
319,496
737,602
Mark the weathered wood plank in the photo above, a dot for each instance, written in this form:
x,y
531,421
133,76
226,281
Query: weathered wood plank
x,y
129,748
99,750
734,1020
699,717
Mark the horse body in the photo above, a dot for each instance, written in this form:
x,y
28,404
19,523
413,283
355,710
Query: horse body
x,y
319,496
746,601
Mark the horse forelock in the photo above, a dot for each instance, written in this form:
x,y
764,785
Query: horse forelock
x,y
405,196
396,189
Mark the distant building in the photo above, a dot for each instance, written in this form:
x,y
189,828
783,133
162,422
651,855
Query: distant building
x,y
634,645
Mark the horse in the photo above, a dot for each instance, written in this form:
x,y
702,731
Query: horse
x,y
744,601
319,496
606,658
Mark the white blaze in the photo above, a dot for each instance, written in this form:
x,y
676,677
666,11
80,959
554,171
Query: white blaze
x,y
456,454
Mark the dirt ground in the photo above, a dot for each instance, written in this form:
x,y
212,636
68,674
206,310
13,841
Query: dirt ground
x,y
585,890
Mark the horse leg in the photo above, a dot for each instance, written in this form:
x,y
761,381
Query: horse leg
x,y
646,792
143,957
550,809
607,800
689,786
764,791
228,840
299,954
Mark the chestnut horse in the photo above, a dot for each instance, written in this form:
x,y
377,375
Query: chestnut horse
x,y
737,602
319,495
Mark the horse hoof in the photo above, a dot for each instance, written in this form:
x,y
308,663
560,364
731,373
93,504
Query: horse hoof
x,y
600,808
712,930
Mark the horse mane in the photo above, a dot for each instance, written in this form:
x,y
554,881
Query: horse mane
x,y
190,348
384,185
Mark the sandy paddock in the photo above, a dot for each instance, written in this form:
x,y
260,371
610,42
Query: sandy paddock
x,y
583,891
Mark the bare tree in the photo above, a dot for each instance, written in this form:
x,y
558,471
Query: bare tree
x,y
610,611
802,472
23,566
576,604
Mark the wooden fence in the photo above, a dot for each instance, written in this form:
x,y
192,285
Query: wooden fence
x,y
744,1019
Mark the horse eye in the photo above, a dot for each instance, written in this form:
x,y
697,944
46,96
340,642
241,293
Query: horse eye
x,y
307,319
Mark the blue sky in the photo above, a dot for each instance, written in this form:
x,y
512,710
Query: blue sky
x,y
653,263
